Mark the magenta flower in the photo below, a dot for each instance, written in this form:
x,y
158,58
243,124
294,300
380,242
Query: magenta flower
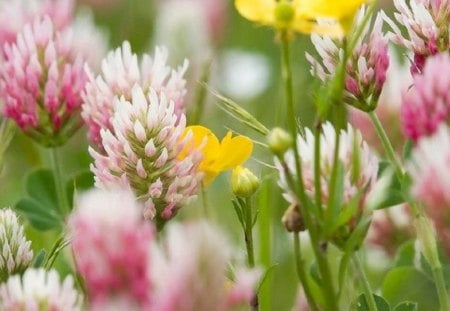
x,y
426,23
142,152
41,81
121,70
426,105
366,68
111,243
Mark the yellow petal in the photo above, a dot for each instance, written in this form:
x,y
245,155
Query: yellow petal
x,y
234,151
261,11
303,25
337,9
201,136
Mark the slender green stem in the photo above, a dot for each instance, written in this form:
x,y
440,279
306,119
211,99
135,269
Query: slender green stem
x,y
298,187
301,272
334,176
386,144
59,183
205,201
441,289
248,232
368,293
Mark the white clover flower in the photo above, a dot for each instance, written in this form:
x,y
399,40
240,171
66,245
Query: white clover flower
x,y
39,290
15,250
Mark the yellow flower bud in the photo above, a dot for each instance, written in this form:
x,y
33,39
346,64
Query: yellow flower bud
x,y
243,182
279,141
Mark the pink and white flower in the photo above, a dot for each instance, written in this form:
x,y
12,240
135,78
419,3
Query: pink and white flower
x,y
111,243
41,79
121,71
142,152
426,105
37,288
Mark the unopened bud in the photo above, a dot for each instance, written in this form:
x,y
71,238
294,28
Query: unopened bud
x,y
243,182
293,220
284,13
279,141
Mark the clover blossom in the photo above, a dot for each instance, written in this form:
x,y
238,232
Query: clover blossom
x,y
359,167
121,70
111,243
426,105
40,83
39,290
16,254
366,67
142,151
426,23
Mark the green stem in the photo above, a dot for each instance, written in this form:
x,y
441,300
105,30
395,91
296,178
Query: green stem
x,y
248,232
441,289
298,188
368,293
386,144
59,184
301,272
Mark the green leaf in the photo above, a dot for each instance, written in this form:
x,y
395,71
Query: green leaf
x,y
347,212
407,306
382,305
358,235
409,284
406,254
82,181
40,216
39,259
407,149
40,186
237,209
387,192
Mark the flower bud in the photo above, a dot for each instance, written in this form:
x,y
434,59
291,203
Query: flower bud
x,y
284,13
16,253
293,220
279,141
243,182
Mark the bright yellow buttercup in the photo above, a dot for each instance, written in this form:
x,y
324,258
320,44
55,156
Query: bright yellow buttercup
x,y
218,156
301,15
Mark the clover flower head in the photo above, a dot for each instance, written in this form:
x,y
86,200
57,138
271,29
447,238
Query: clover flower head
x,y
426,24
16,254
426,105
142,152
112,246
26,11
366,67
359,164
40,83
41,290
120,71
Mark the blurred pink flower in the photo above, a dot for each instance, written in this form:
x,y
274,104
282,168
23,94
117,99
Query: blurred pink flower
x,y
15,14
111,246
41,81
121,70
189,272
366,67
142,152
426,23
426,105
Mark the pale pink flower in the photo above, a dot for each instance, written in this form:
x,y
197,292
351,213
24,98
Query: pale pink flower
x,y
16,253
121,70
37,288
15,14
430,172
41,79
426,23
111,245
360,170
189,272
366,67
142,152
426,104
388,109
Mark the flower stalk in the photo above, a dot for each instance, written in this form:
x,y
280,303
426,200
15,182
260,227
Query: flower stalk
x,y
368,293
59,182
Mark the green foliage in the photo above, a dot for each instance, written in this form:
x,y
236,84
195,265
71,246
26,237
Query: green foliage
x,y
382,305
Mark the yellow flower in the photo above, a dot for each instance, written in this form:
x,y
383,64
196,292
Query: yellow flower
x,y
300,15
217,156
